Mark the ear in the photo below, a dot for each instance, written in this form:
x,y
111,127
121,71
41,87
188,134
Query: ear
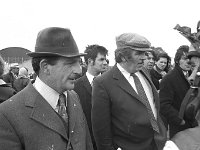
x,y
90,61
44,67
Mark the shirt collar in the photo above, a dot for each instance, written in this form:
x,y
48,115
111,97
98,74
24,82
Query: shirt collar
x,y
124,72
49,94
90,77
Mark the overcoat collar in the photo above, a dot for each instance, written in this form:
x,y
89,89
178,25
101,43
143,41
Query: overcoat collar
x,y
44,114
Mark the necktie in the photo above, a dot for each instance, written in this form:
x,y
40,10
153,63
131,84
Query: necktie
x,y
93,80
62,110
142,94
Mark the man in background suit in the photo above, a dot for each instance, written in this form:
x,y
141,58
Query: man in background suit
x,y
95,59
122,118
36,118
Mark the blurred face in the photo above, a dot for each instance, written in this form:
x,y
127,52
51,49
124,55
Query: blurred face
x,y
63,74
184,63
136,62
149,61
161,63
15,70
100,63
195,61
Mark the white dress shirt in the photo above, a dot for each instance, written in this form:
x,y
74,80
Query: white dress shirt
x,y
49,94
145,84
170,145
90,77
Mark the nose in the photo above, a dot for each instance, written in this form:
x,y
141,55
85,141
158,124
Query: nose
x,y
105,62
78,69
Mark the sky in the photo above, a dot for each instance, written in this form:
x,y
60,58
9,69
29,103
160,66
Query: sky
x,y
98,21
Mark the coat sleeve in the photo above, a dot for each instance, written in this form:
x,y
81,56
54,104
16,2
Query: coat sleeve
x,y
101,117
166,95
9,140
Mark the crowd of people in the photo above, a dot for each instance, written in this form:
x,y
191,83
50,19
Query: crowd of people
x,y
76,101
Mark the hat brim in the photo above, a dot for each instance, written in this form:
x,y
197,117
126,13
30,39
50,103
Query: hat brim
x,y
141,49
193,54
47,54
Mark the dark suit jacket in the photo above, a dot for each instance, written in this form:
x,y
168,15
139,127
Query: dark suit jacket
x,y
28,122
119,116
9,78
173,88
6,91
84,90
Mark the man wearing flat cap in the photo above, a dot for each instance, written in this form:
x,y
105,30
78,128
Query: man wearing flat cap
x,y
47,115
125,105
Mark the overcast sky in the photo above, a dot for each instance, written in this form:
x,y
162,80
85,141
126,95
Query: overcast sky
x,y
98,21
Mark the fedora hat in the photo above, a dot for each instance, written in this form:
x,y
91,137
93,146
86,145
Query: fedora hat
x,y
193,52
55,41
133,41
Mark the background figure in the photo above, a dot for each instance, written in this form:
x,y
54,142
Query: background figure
x,y
6,91
122,118
149,62
158,71
95,59
22,80
12,74
188,139
47,115
173,88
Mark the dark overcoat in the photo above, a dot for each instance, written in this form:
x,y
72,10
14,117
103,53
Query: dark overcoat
x,y
84,90
28,122
120,117
173,88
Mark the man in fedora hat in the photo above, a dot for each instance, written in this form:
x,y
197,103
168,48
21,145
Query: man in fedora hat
x,y
125,105
47,115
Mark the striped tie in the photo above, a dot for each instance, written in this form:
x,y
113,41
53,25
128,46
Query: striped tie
x,y
142,94
62,110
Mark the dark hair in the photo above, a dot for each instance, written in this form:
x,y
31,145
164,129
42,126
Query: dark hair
x,y
152,52
92,52
180,51
2,65
162,55
36,62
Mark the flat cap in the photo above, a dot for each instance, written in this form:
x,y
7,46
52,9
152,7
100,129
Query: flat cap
x,y
133,41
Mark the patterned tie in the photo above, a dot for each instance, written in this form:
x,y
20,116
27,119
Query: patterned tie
x,y
93,80
142,94
62,110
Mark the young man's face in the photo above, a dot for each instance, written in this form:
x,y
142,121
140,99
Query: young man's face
x,y
149,61
100,63
195,62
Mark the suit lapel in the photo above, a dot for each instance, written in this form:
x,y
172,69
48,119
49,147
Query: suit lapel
x,y
43,113
86,83
72,110
123,83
